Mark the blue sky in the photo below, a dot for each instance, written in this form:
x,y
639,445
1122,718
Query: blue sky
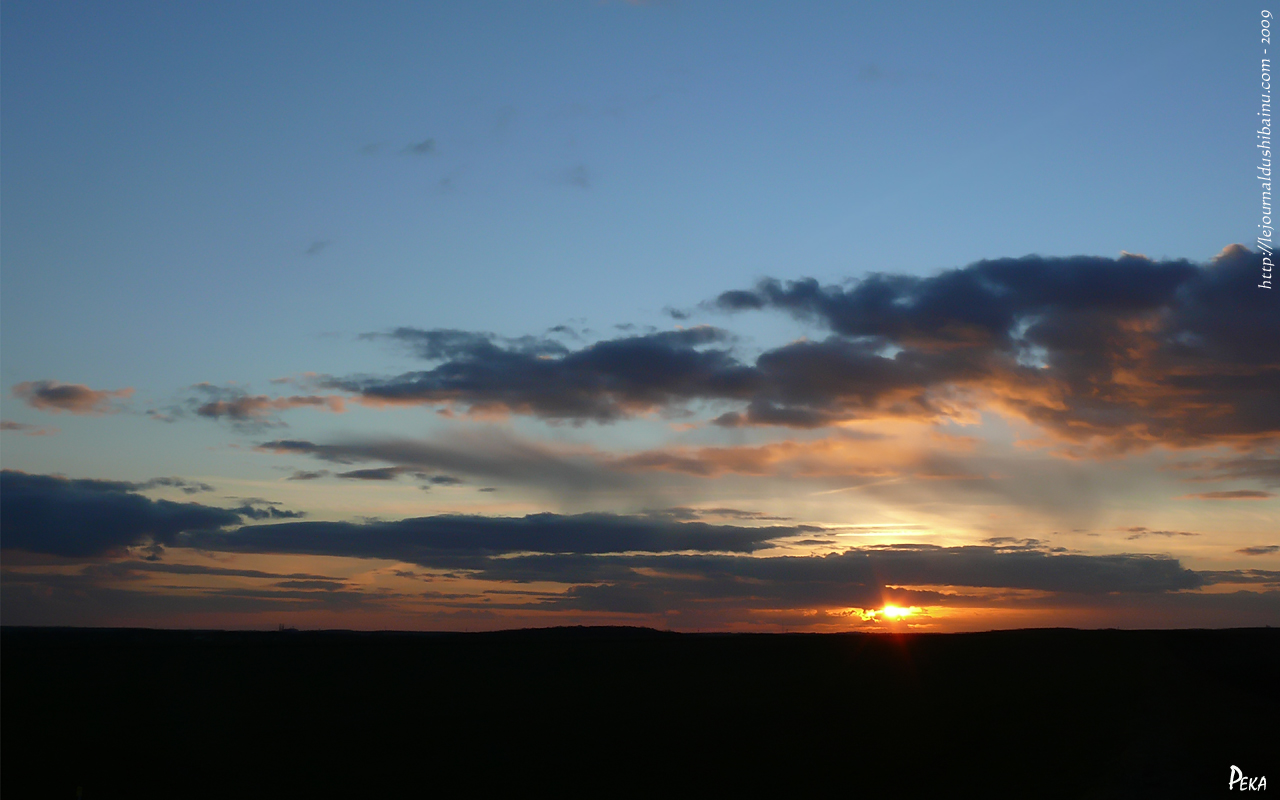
x,y
239,192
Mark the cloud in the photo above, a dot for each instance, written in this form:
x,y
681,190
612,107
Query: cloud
x,y
305,475
1260,550
864,578
647,563
128,569
28,430
254,411
375,474
187,487
644,564
1241,576
423,148
430,481
805,384
256,508
578,176
591,548
1140,532
86,518
1238,494
323,585
686,513
843,454
605,381
1124,352
55,599
1260,466
73,398
1116,354
456,541
492,456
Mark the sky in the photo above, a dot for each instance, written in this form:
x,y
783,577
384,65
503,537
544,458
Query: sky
x,y
692,315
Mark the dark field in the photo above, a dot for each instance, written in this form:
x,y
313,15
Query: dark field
x,y
607,711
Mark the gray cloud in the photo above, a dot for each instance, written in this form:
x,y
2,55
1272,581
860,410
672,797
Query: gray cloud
x,y
578,176
1241,576
455,541
1260,550
308,475
627,564
604,381
1262,467
256,508
58,516
375,474
1140,532
491,457
187,487
125,569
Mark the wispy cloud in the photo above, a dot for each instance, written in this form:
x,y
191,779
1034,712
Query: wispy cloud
x,y
1141,532
1260,550
423,148
1238,494
254,411
27,430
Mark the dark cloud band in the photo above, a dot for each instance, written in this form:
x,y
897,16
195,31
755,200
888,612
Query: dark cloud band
x,y
1124,353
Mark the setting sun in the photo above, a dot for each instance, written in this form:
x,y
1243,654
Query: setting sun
x,y
890,613
897,612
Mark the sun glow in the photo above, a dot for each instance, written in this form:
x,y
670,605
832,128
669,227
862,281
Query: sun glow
x,y
897,612
889,613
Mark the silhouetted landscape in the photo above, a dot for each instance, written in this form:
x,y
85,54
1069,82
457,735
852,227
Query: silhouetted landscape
x,y
1044,713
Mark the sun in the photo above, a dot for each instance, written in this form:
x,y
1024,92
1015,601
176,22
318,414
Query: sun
x,y
888,613
896,612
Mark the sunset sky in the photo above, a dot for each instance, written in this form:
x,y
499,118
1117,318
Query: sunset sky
x,y
692,315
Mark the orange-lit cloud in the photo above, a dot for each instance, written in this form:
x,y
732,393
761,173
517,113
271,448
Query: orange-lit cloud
x,y
260,406
1238,494
73,398
251,411
1116,354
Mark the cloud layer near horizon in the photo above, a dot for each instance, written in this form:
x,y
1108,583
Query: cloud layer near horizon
x,y
638,564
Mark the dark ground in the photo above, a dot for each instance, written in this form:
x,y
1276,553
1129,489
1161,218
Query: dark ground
x,y
607,711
